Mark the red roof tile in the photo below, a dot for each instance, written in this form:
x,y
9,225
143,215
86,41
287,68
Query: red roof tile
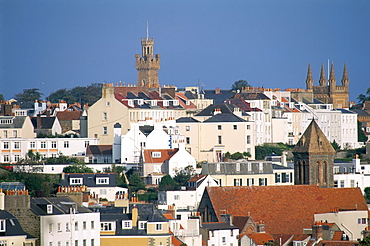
x,y
284,209
69,115
260,238
337,236
166,154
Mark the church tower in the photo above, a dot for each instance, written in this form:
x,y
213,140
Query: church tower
x,y
313,158
147,65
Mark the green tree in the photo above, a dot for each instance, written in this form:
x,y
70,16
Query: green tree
x,y
239,85
167,183
365,241
361,136
29,95
364,97
62,94
335,145
267,149
367,193
237,155
135,182
182,176
78,168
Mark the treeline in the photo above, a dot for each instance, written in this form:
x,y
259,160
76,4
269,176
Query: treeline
x,y
81,94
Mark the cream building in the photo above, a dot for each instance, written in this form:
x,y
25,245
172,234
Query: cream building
x,y
16,127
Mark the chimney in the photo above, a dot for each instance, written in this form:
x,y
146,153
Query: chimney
x,y
217,90
356,164
135,215
2,200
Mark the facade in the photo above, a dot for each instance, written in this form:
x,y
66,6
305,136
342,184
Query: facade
x,y
288,209
313,158
141,225
219,233
211,139
332,93
101,184
248,173
13,150
16,127
46,125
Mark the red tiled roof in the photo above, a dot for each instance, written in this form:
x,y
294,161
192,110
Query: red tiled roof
x,y
169,216
261,238
284,209
337,236
196,178
166,154
69,115
338,243
176,241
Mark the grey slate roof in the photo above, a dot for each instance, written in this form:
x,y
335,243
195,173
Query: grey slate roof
x,y
60,205
46,122
18,122
146,212
225,118
12,186
209,111
12,226
218,226
252,96
186,119
229,168
360,112
218,98
89,179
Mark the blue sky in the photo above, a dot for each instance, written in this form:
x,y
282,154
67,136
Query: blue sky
x,y
62,44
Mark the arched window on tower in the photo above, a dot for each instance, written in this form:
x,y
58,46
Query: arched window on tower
x,y
325,171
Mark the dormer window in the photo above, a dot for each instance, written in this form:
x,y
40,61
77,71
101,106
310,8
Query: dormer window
x,y
142,225
153,103
175,102
165,103
126,224
102,180
2,225
156,154
140,101
49,209
75,181
130,103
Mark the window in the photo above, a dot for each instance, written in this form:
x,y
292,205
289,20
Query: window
x,y
59,227
49,208
102,191
87,143
219,139
2,225
53,144
277,178
50,243
177,197
92,225
126,224
237,182
43,145
187,140
187,128
105,116
262,181
237,167
84,225
235,127
231,233
218,168
335,183
76,242
106,226
67,243
67,227
102,180
76,226
6,145
107,104
158,227
336,170
66,144
156,154
361,221
59,243
5,134
92,242
50,228
219,127
142,225
248,127
32,145
224,239
342,183
248,139
75,181
17,158
6,158
15,134
352,183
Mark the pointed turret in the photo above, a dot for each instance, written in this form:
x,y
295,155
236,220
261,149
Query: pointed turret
x,y
322,80
345,79
332,79
309,79
314,158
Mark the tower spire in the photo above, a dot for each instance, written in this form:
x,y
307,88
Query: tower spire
x,y
322,80
309,79
345,79
147,30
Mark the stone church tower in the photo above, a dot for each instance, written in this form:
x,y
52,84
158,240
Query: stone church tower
x,y
313,158
147,65
330,92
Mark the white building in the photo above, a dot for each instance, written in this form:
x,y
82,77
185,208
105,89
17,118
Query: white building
x,y
219,233
12,150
